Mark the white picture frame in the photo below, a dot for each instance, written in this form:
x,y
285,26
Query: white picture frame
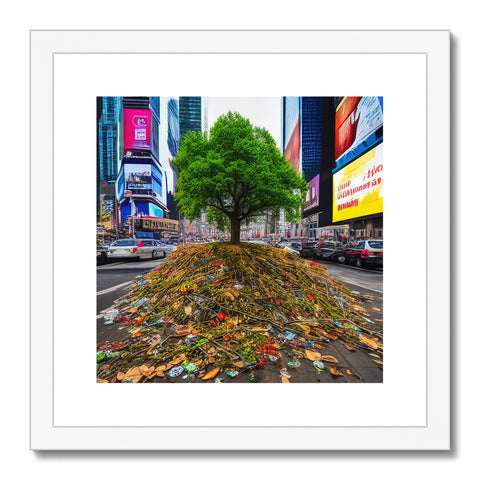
x,y
410,410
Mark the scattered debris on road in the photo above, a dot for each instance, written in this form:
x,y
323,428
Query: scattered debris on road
x,y
216,312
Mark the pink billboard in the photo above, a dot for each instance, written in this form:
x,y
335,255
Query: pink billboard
x,y
136,129
313,194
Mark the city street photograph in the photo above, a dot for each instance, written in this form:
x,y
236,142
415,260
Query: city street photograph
x,y
239,239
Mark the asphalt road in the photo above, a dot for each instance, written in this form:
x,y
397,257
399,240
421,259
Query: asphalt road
x,y
370,279
114,279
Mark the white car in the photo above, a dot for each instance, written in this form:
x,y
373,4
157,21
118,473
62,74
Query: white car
x,y
136,248
292,247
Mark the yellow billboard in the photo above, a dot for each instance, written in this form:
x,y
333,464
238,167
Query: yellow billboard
x,y
358,188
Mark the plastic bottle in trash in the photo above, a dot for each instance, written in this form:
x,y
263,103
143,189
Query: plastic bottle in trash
x,y
110,316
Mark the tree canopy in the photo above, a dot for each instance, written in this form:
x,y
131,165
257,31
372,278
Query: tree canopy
x,y
236,173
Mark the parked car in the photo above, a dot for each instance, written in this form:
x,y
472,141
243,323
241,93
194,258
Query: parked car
x,y
102,254
330,250
293,247
364,253
136,248
308,248
165,246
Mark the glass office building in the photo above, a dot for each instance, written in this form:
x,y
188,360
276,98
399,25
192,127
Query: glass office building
x,y
173,133
318,151
108,138
190,114
291,133
311,114
308,138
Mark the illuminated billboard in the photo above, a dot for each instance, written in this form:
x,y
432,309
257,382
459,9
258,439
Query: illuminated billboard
x,y
358,188
292,131
313,192
356,121
136,129
138,177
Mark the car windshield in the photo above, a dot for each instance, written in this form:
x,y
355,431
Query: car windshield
x,y
129,242
375,243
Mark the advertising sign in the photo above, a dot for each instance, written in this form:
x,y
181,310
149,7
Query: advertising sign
x,y
292,132
138,177
312,199
358,188
136,129
106,209
355,120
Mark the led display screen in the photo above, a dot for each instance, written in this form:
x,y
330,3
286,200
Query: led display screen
x,y
138,177
136,129
356,119
358,187
312,198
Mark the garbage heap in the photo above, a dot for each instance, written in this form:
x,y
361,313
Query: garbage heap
x,y
214,311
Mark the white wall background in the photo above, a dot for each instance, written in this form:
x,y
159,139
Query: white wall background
x,y
459,17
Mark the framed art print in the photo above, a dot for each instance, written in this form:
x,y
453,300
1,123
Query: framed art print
x,y
264,206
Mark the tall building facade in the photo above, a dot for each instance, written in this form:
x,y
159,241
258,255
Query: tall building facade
x,y
318,158
358,173
141,183
173,131
108,157
317,122
192,113
291,131
109,138
308,140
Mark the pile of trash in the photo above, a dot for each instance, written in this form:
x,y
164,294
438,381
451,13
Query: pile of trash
x,y
214,311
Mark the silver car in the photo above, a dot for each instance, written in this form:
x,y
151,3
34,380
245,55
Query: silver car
x,y
136,248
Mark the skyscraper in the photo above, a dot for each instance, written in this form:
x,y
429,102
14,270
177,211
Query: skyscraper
x,y
108,157
318,116
173,133
309,145
190,114
108,138
140,185
318,151
291,135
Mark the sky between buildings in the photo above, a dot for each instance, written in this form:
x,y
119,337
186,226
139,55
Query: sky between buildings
x,y
261,111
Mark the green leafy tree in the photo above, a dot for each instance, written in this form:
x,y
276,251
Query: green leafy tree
x,y
236,173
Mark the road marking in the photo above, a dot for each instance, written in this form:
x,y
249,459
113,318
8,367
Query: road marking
x,y
109,265
357,284
112,289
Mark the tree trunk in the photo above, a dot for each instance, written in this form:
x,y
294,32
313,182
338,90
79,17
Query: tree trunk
x,y
234,231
